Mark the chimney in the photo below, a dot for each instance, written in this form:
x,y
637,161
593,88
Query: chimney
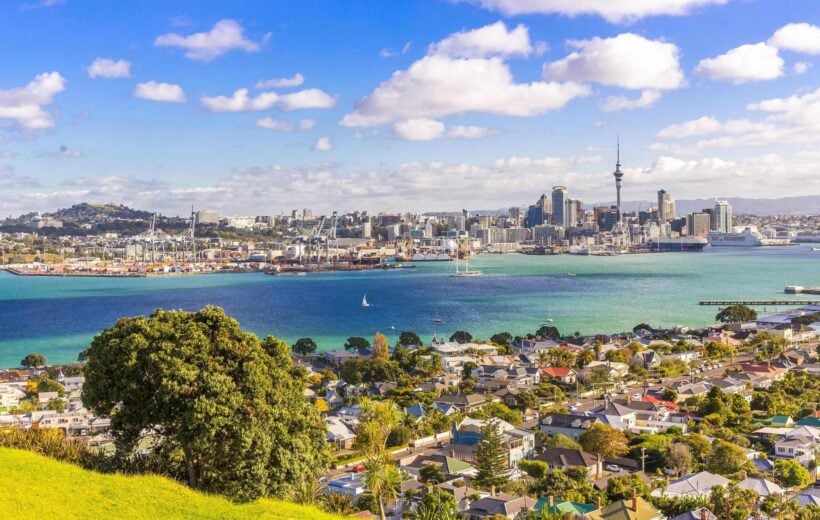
x,y
551,501
704,513
492,490
742,474
634,500
598,502
599,468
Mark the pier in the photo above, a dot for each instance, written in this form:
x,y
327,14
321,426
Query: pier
x,y
758,303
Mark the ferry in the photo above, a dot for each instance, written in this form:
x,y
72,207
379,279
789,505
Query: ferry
x,y
677,244
748,237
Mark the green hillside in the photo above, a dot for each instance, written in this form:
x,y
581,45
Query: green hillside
x,y
34,486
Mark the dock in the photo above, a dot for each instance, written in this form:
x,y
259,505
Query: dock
x,y
759,303
799,289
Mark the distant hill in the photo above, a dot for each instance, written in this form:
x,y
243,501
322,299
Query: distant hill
x,y
85,213
35,486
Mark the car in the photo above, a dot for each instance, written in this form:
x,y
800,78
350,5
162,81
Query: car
x,y
613,468
357,469
637,396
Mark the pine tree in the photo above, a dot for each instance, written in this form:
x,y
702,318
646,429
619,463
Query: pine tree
x,y
493,467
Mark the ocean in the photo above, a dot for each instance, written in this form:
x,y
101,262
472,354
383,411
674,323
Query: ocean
x,y
58,316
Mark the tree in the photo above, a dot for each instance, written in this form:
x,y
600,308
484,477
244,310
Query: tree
x,y
679,458
669,394
560,441
731,502
727,458
791,473
527,400
641,326
620,488
33,360
304,346
502,338
381,350
605,440
461,336
492,463
338,503
548,331
437,505
356,343
736,313
431,474
383,479
409,339
584,358
230,407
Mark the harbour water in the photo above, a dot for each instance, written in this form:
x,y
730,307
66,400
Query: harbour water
x,y
59,316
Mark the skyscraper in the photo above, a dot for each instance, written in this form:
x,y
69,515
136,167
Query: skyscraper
x,y
571,213
723,216
559,201
618,174
666,206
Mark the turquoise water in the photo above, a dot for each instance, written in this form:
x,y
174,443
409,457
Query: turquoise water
x,y
59,316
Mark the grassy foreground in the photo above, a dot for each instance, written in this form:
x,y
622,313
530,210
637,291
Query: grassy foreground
x,y
36,486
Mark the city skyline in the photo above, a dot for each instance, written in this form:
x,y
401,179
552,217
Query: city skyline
x,y
486,104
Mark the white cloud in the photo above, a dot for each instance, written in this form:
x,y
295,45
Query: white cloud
x,y
801,67
42,4
108,68
156,91
750,62
226,35
240,101
419,129
285,126
616,103
437,86
322,144
25,104
470,132
388,52
615,11
701,126
484,42
797,37
295,81
627,60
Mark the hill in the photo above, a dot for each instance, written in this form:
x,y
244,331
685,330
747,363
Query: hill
x,y
87,213
37,486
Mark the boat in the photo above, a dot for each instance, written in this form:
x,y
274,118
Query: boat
x,y
815,249
677,244
549,314
570,274
438,320
749,236
364,301
466,271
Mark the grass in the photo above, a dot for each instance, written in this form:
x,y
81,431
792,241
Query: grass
x,y
36,486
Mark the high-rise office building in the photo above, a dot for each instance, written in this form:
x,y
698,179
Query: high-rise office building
x,y
571,213
666,206
307,214
723,216
559,203
207,217
698,224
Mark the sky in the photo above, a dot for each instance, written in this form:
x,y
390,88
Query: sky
x,y
261,107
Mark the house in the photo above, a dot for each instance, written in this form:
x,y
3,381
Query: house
x,y
617,415
73,423
808,497
500,505
563,458
764,488
798,444
347,484
695,485
573,426
780,421
45,397
508,395
10,396
646,359
71,383
560,374
464,403
559,507
615,369
507,373
339,433
519,444
635,508
451,466
727,385
687,390
700,513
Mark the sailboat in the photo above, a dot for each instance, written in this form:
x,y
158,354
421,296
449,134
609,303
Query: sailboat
x,y
466,271
549,314
364,301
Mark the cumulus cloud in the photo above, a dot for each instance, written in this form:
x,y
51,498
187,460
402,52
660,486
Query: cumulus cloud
x,y
797,37
616,103
156,91
801,67
750,62
701,126
627,60
490,40
225,36
419,129
322,144
470,132
615,11
24,105
108,68
240,101
294,81
285,126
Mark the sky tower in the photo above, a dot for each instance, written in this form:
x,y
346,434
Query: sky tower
x,y
618,176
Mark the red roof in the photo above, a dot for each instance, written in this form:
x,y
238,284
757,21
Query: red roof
x,y
557,371
660,402
760,368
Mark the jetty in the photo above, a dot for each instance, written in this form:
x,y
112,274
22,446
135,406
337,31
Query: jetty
x,y
758,303
799,289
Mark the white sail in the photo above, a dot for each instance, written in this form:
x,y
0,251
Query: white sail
x,y
364,301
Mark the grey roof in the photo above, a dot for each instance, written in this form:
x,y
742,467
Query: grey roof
x,y
695,514
564,457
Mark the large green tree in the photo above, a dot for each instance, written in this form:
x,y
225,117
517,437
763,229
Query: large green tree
x,y
409,339
605,440
461,336
304,346
231,406
356,342
492,461
33,360
736,313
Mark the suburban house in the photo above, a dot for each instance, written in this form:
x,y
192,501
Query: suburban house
x,y
615,369
503,505
573,426
563,458
339,434
561,374
519,444
764,488
695,485
464,403
635,508
798,444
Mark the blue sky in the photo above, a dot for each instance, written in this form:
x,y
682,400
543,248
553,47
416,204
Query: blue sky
x,y
403,105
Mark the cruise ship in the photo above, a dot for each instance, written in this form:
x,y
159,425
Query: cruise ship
x,y
677,244
748,237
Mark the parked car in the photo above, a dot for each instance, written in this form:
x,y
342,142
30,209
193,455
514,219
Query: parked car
x,y
613,468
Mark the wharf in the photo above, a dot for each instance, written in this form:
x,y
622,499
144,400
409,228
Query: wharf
x,y
799,289
758,303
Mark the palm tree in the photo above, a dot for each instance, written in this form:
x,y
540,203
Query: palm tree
x,y
307,492
338,503
584,358
383,479
543,358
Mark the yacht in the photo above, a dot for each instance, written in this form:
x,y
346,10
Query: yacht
x,y
749,236
364,301
466,271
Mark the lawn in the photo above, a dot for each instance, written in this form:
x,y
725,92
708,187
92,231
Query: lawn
x,y
34,486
